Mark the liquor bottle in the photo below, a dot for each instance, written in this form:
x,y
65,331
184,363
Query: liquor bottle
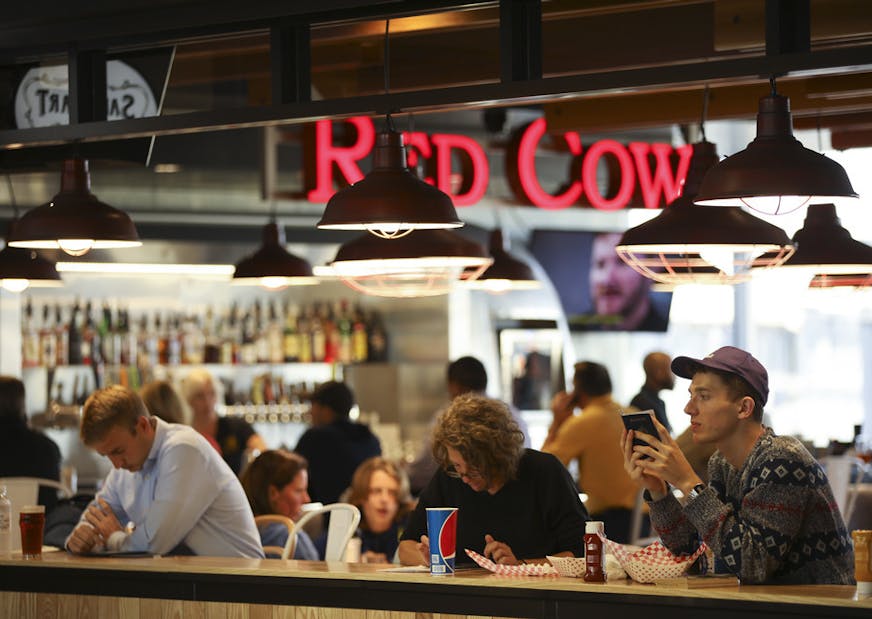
x,y
75,334
305,335
122,338
212,343
261,336
275,337
248,348
29,337
344,329
227,336
319,338
5,523
90,344
148,343
62,337
174,341
359,338
48,342
163,340
331,333
107,335
291,337
193,342
378,339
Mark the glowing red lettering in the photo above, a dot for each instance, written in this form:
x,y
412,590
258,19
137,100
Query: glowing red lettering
x,y
345,157
526,169
663,182
589,169
474,165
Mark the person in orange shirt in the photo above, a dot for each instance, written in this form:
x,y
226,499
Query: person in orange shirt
x,y
593,438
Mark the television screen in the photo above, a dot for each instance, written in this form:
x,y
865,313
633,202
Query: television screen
x,y
598,290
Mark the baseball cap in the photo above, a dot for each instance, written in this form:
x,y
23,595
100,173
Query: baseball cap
x,y
728,359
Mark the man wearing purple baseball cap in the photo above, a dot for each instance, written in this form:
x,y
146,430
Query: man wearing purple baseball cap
x,y
768,513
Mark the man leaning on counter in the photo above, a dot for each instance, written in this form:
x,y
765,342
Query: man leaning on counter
x,y
174,489
768,512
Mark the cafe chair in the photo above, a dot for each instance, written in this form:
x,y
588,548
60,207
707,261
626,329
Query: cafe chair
x,y
25,491
845,474
344,519
283,552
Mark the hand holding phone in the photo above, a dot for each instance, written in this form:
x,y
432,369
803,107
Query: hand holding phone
x,y
642,422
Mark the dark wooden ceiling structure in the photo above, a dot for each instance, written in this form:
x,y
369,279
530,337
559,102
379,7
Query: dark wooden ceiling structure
x,y
593,65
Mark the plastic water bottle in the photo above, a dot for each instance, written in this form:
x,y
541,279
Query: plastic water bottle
x,y
5,523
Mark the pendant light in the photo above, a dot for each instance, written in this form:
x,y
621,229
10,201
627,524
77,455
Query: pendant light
x,y
775,174
423,263
691,244
390,201
506,273
854,280
825,248
272,266
75,220
22,268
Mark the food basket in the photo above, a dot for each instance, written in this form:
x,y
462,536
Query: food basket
x,y
573,567
654,562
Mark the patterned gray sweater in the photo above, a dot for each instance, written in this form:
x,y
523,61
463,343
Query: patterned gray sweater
x,y
774,521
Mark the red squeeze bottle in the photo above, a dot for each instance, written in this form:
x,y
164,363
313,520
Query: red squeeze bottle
x,y
593,552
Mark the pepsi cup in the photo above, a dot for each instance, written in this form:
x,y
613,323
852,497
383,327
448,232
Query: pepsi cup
x,y
442,531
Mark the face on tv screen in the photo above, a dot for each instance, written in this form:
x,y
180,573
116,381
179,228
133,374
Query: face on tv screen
x,y
598,290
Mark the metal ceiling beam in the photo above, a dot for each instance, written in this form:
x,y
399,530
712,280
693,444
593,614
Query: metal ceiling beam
x,y
446,99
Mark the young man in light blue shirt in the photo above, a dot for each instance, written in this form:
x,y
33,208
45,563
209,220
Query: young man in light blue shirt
x,y
170,492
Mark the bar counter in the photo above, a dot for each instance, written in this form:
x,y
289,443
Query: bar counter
x,y
62,585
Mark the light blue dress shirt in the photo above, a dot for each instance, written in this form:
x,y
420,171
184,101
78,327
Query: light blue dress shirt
x,y
184,494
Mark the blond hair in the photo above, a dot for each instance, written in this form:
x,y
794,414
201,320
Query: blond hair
x,y
114,406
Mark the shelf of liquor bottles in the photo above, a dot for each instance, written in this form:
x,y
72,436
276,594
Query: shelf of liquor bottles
x,y
267,355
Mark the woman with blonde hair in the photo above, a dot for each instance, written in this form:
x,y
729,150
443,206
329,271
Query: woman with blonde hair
x,y
380,490
162,400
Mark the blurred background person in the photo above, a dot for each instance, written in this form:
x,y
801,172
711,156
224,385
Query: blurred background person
x,y
513,503
25,452
620,295
658,376
463,375
162,400
334,445
276,482
231,436
593,439
380,490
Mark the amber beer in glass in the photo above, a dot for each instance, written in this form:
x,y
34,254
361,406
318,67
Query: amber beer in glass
x,y
32,522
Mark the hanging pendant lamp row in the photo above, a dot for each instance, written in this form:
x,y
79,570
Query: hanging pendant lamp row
x,y
75,220
22,268
775,174
826,247
506,273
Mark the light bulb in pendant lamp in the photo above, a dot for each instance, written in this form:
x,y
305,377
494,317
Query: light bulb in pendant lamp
x,y
825,248
691,244
775,174
506,273
75,220
423,263
22,268
390,201
272,266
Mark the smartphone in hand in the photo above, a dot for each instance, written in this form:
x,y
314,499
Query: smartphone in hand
x,y
643,421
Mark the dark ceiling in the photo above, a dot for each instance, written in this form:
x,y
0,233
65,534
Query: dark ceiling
x,y
592,66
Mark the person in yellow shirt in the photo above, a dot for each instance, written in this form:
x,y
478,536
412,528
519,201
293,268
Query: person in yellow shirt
x,y
593,438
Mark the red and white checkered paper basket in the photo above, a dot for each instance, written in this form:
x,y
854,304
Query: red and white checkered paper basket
x,y
539,569
653,562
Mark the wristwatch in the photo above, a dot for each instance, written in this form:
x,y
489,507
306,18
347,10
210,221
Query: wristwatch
x,y
695,492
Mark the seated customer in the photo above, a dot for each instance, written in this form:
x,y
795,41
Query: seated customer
x,y
163,401
25,452
276,482
380,490
169,492
768,512
514,503
231,436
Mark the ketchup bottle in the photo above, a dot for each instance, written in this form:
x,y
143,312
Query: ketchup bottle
x,y
593,552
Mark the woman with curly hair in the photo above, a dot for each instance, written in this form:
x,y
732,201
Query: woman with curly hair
x,y
514,504
380,490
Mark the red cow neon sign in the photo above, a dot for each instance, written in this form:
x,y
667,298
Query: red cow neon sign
x,y
633,163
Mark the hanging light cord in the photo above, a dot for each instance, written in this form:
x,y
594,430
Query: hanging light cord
x,y
12,196
772,86
387,71
705,104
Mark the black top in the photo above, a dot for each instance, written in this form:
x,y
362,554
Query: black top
x,y
645,399
232,436
28,453
334,452
537,514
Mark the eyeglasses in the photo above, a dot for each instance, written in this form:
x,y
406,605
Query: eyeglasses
x,y
452,471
